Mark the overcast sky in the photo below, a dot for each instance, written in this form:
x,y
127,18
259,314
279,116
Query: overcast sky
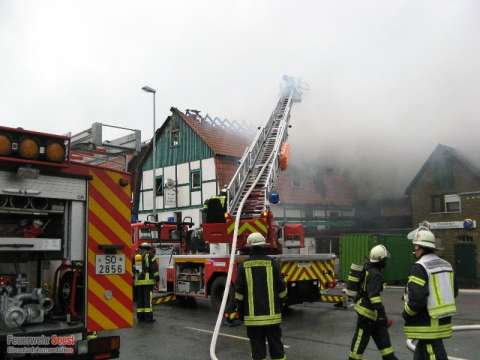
x,y
388,79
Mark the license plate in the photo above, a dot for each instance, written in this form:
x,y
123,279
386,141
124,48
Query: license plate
x,y
303,264
109,264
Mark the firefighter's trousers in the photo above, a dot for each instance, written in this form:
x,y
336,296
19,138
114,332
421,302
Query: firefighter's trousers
x,y
271,333
430,350
143,298
367,328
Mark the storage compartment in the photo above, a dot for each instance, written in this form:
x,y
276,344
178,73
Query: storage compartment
x,y
190,279
31,224
39,288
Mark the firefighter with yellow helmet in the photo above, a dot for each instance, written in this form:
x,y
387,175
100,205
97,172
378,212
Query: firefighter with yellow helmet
x,y
146,274
372,319
429,299
259,291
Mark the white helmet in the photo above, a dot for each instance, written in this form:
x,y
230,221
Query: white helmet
x,y
378,253
145,245
425,238
256,239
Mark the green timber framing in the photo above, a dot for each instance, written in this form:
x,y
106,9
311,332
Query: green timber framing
x,y
189,154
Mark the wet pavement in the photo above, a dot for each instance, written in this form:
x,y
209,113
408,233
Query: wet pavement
x,y
310,331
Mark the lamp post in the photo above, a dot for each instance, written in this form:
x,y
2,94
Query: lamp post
x,y
150,90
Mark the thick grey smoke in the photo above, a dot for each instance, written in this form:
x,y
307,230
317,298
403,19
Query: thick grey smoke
x,y
389,79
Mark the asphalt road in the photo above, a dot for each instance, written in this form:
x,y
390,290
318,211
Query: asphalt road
x,y
310,331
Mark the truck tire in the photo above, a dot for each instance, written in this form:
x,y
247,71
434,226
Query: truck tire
x,y
216,293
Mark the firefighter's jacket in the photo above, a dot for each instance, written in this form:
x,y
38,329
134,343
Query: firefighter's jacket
x,y
369,301
221,198
149,273
429,299
259,291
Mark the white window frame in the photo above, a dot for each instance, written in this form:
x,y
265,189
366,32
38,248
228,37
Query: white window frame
x,y
450,199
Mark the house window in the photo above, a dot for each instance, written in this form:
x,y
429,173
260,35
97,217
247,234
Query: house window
x,y
333,214
318,213
159,185
195,180
465,238
438,204
174,137
452,203
446,203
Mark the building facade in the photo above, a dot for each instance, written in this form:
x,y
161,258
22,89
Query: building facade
x,y
446,192
321,202
195,159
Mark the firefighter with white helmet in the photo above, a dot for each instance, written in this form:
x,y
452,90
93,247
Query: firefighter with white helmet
x,y
146,273
430,298
372,319
259,292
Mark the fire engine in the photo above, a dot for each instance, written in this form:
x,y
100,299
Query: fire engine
x,y
194,262
65,250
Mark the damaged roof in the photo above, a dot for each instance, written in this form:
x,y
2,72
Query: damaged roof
x,y
222,142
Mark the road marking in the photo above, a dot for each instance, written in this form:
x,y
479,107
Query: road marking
x,y
469,291
226,335
461,291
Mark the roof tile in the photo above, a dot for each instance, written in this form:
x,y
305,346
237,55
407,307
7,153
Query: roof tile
x,y
221,142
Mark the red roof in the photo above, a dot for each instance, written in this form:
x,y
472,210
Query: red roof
x,y
336,190
226,168
221,142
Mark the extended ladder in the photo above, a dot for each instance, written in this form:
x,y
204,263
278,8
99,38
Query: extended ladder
x,y
263,155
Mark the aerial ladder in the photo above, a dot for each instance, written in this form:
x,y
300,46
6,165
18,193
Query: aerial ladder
x,y
262,158
249,190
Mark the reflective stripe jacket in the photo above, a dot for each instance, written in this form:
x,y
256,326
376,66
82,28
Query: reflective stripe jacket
x,y
259,290
429,299
369,303
149,273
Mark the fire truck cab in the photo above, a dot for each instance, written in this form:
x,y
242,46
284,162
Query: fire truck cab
x,y
65,248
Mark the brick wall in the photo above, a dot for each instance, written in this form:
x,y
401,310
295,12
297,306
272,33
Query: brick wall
x,y
421,203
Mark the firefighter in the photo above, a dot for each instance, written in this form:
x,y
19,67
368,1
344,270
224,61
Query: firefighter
x,y
259,293
146,273
372,320
216,207
429,299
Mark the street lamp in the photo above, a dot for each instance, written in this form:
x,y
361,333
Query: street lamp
x,y
150,90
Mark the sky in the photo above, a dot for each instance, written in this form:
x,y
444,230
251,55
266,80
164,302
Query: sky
x,y
388,80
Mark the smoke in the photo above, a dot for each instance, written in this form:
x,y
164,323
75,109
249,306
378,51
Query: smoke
x,y
377,112
388,80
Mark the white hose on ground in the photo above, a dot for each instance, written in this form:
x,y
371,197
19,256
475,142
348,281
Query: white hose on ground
x,y
218,324
411,346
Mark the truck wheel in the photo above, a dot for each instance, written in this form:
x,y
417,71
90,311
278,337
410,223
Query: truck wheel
x,y
216,293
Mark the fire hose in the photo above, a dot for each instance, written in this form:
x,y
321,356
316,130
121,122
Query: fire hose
x,y
411,346
218,324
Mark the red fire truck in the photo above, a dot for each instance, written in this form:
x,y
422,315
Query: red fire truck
x,y
65,250
194,262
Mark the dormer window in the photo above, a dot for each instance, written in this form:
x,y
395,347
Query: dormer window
x,y
174,137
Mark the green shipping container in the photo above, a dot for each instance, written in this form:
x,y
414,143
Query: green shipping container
x,y
354,248
401,258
